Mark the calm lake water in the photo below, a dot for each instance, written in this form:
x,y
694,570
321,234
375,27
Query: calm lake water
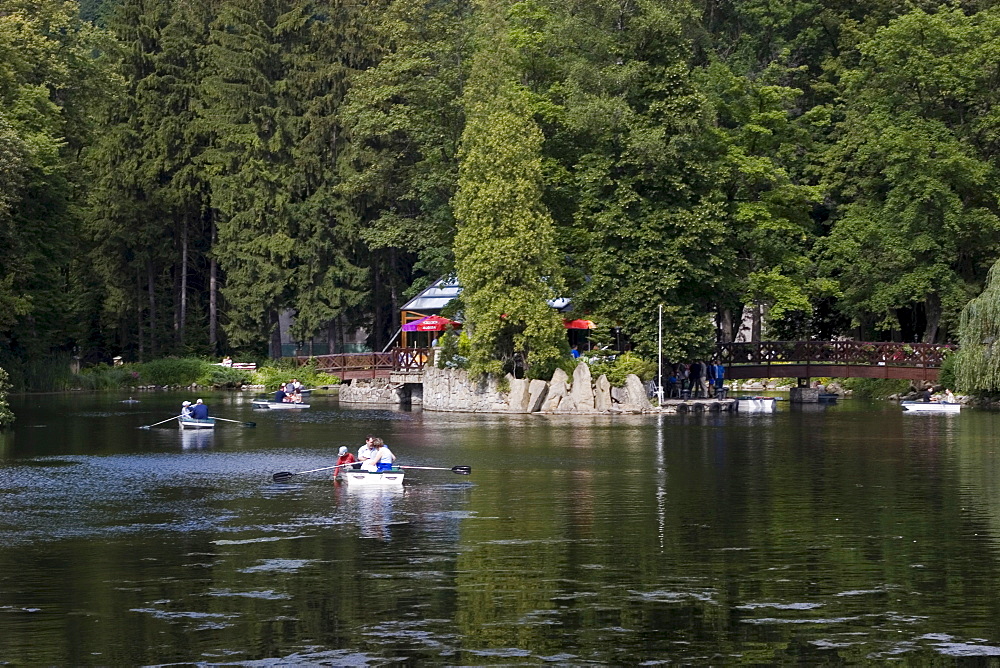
x,y
851,533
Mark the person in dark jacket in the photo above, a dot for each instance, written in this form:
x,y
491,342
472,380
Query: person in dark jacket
x,y
199,410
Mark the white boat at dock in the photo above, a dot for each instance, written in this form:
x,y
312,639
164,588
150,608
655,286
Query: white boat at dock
x,y
756,404
931,407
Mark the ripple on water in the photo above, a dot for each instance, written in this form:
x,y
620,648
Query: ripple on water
x,y
266,594
278,566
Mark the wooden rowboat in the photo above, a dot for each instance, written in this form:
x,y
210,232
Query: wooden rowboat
x,y
276,405
361,478
931,407
196,423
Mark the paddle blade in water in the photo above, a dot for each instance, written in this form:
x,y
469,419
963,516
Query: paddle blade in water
x,y
462,470
282,476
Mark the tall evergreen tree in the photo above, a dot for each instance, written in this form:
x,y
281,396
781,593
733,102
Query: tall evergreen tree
x,y
505,247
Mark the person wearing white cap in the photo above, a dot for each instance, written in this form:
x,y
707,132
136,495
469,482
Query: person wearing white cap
x,y
186,409
345,460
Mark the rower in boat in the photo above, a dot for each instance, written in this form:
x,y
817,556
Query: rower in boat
x,y
381,457
344,460
185,409
199,411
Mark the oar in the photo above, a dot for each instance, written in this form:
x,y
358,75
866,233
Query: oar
x,y
147,426
285,476
245,424
462,470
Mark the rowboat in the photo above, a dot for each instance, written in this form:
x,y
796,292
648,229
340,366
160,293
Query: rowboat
x,y
196,423
361,478
277,405
756,404
931,407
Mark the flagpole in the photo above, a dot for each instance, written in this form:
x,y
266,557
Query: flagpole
x,y
659,360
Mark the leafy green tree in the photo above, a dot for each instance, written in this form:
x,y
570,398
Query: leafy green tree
x,y
404,117
914,170
505,246
6,416
49,82
977,364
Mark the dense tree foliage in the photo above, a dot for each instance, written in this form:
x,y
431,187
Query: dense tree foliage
x,y
174,179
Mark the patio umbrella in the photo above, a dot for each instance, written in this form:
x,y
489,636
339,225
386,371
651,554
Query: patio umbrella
x,y
412,326
434,323
579,324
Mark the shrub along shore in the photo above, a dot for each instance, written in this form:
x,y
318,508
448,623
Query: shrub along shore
x,y
56,375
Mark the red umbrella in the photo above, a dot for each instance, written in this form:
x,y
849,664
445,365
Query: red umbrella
x,y
436,323
579,324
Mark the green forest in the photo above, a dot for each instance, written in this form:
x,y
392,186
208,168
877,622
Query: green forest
x,y
176,173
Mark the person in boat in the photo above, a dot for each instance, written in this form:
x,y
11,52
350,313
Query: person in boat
x,y
199,411
295,386
949,397
381,457
924,395
365,451
185,409
344,460
295,397
280,396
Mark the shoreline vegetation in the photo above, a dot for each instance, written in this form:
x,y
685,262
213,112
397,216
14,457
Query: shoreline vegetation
x,y
56,375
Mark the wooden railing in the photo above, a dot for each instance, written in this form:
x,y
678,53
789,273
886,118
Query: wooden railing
x,y
347,366
853,353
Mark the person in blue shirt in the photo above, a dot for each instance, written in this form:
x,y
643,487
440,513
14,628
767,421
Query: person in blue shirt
x,y
574,351
199,410
280,395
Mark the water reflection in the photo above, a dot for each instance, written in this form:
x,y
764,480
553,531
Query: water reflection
x,y
850,534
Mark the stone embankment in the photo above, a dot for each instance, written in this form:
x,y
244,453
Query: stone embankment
x,y
453,390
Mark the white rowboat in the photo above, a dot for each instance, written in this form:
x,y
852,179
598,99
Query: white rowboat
x,y
362,478
931,407
277,405
756,404
196,423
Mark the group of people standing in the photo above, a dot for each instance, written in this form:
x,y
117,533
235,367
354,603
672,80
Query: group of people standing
x,y
373,456
699,379
290,392
198,410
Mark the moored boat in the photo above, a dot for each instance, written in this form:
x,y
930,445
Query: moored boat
x,y
756,404
931,406
196,423
277,405
361,478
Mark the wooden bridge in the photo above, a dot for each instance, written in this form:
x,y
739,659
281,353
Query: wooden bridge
x,y
759,359
834,359
350,366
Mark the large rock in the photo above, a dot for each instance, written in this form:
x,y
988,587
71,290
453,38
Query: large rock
x,y
558,390
602,394
637,400
517,400
537,391
582,391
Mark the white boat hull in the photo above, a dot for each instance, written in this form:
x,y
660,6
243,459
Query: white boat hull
x,y
278,405
931,407
756,404
195,423
362,478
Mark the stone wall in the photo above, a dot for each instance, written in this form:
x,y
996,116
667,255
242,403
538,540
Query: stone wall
x,y
453,390
377,391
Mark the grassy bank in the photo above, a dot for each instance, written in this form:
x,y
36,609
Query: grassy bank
x,y
55,375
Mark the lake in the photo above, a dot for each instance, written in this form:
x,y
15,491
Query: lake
x,y
847,533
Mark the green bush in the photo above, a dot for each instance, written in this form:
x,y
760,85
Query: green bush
x,y
225,376
276,372
875,388
6,416
105,377
948,376
622,366
173,371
